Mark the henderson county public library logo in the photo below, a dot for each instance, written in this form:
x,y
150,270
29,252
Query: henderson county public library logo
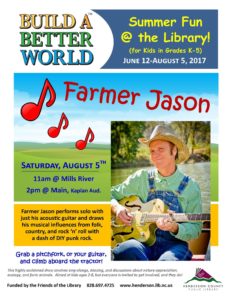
x,y
203,281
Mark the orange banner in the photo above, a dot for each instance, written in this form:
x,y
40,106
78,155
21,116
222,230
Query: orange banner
x,y
214,225
62,225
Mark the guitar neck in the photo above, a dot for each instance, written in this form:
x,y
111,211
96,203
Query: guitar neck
x,y
178,217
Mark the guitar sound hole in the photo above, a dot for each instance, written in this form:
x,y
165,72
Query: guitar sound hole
x,y
133,205
122,233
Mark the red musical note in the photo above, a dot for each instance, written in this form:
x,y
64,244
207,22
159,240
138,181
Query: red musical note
x,y
81,144
31,111
54,131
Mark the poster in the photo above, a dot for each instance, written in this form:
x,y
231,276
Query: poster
x,y
82,84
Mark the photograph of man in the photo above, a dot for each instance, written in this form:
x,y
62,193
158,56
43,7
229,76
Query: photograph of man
x,y
179,192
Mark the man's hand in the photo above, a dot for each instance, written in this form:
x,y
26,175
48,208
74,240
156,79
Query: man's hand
x,y
167,224
123,215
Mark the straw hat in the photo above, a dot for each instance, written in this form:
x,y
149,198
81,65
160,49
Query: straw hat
x,y
165,133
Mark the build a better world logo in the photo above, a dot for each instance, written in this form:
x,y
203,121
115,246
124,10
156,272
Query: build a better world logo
x,y
202,281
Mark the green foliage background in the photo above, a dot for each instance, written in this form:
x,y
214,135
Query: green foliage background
x,y
127,150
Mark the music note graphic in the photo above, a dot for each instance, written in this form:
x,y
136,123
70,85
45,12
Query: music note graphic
x,y
30,111
81,144
54,131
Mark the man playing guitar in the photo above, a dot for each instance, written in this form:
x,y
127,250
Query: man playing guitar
x,y
165,181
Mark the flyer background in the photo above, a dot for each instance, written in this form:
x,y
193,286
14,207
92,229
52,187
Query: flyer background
x,y
220,257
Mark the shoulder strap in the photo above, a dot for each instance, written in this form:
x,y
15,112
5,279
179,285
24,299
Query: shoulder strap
x,y
151,180
183,185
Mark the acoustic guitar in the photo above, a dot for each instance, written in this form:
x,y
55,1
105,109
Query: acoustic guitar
x,y
145,215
